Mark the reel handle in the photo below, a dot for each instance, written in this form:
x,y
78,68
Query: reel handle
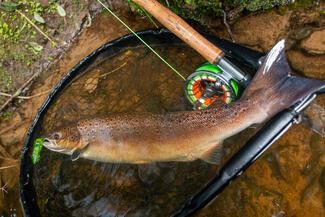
x,y
183,30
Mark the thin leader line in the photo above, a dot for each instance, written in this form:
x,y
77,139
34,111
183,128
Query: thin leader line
x,y
147,45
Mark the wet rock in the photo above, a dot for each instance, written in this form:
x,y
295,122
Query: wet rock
x,y
262,30
312,16
315,43
91,84
121,6
322,184
311,66
247,198
15,133
309,191
300,33
275,166
314,118
317,150
94,6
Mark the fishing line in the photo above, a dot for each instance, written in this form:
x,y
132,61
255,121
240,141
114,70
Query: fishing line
x,y
147,45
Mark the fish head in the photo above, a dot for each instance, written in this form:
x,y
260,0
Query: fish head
x,y
64,140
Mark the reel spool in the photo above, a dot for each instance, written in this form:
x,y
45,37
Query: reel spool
x,y
208,84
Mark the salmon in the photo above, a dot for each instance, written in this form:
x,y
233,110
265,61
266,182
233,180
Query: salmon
x,y
186,135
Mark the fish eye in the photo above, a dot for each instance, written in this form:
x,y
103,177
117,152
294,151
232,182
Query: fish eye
x,y
57,136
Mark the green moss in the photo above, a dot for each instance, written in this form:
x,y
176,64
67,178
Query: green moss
x,y
203,10
8,28
16,37
21,44
5,80
196,9
256,5
302,4
5,116
16,32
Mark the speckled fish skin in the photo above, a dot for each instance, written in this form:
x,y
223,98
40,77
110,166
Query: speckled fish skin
x,y
147,137
188,135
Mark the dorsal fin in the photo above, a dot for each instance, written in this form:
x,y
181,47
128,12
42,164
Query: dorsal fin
x,y
213,155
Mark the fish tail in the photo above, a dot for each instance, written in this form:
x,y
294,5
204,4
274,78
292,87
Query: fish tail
x,y
274,87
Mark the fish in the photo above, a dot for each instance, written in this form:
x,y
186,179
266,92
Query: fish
x,y
139,138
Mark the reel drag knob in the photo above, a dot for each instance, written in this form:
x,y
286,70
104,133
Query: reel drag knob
x,y
208,84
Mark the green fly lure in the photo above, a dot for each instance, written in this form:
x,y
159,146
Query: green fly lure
x,y
37,148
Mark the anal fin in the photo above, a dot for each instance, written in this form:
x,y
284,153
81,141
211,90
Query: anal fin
x,y
213,155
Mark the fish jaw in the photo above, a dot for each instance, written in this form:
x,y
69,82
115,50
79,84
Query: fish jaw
x,y
63,140
52,145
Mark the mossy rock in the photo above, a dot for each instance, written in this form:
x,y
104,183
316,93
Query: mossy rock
x,y
201,10
256,5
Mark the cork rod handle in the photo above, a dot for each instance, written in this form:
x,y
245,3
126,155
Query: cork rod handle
x,y
184,31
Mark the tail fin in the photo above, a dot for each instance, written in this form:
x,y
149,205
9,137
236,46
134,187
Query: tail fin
x,y
274,86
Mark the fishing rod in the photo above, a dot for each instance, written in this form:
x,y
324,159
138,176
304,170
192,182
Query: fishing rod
x,y
218,79
195,40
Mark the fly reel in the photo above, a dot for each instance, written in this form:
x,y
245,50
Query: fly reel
x,y
208,84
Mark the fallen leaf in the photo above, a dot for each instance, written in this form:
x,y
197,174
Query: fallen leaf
x,y
36,47
61,11
38,18
8,6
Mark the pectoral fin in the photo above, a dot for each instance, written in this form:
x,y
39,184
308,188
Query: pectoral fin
x,y
213,155
78,151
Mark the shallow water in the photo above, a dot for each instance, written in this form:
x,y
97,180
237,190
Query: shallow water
x,y
132,81
287,181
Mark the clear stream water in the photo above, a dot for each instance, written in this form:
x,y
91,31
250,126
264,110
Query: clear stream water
x,y
135,81
289,180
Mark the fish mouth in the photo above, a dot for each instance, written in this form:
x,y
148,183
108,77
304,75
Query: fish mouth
x,y
53,146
